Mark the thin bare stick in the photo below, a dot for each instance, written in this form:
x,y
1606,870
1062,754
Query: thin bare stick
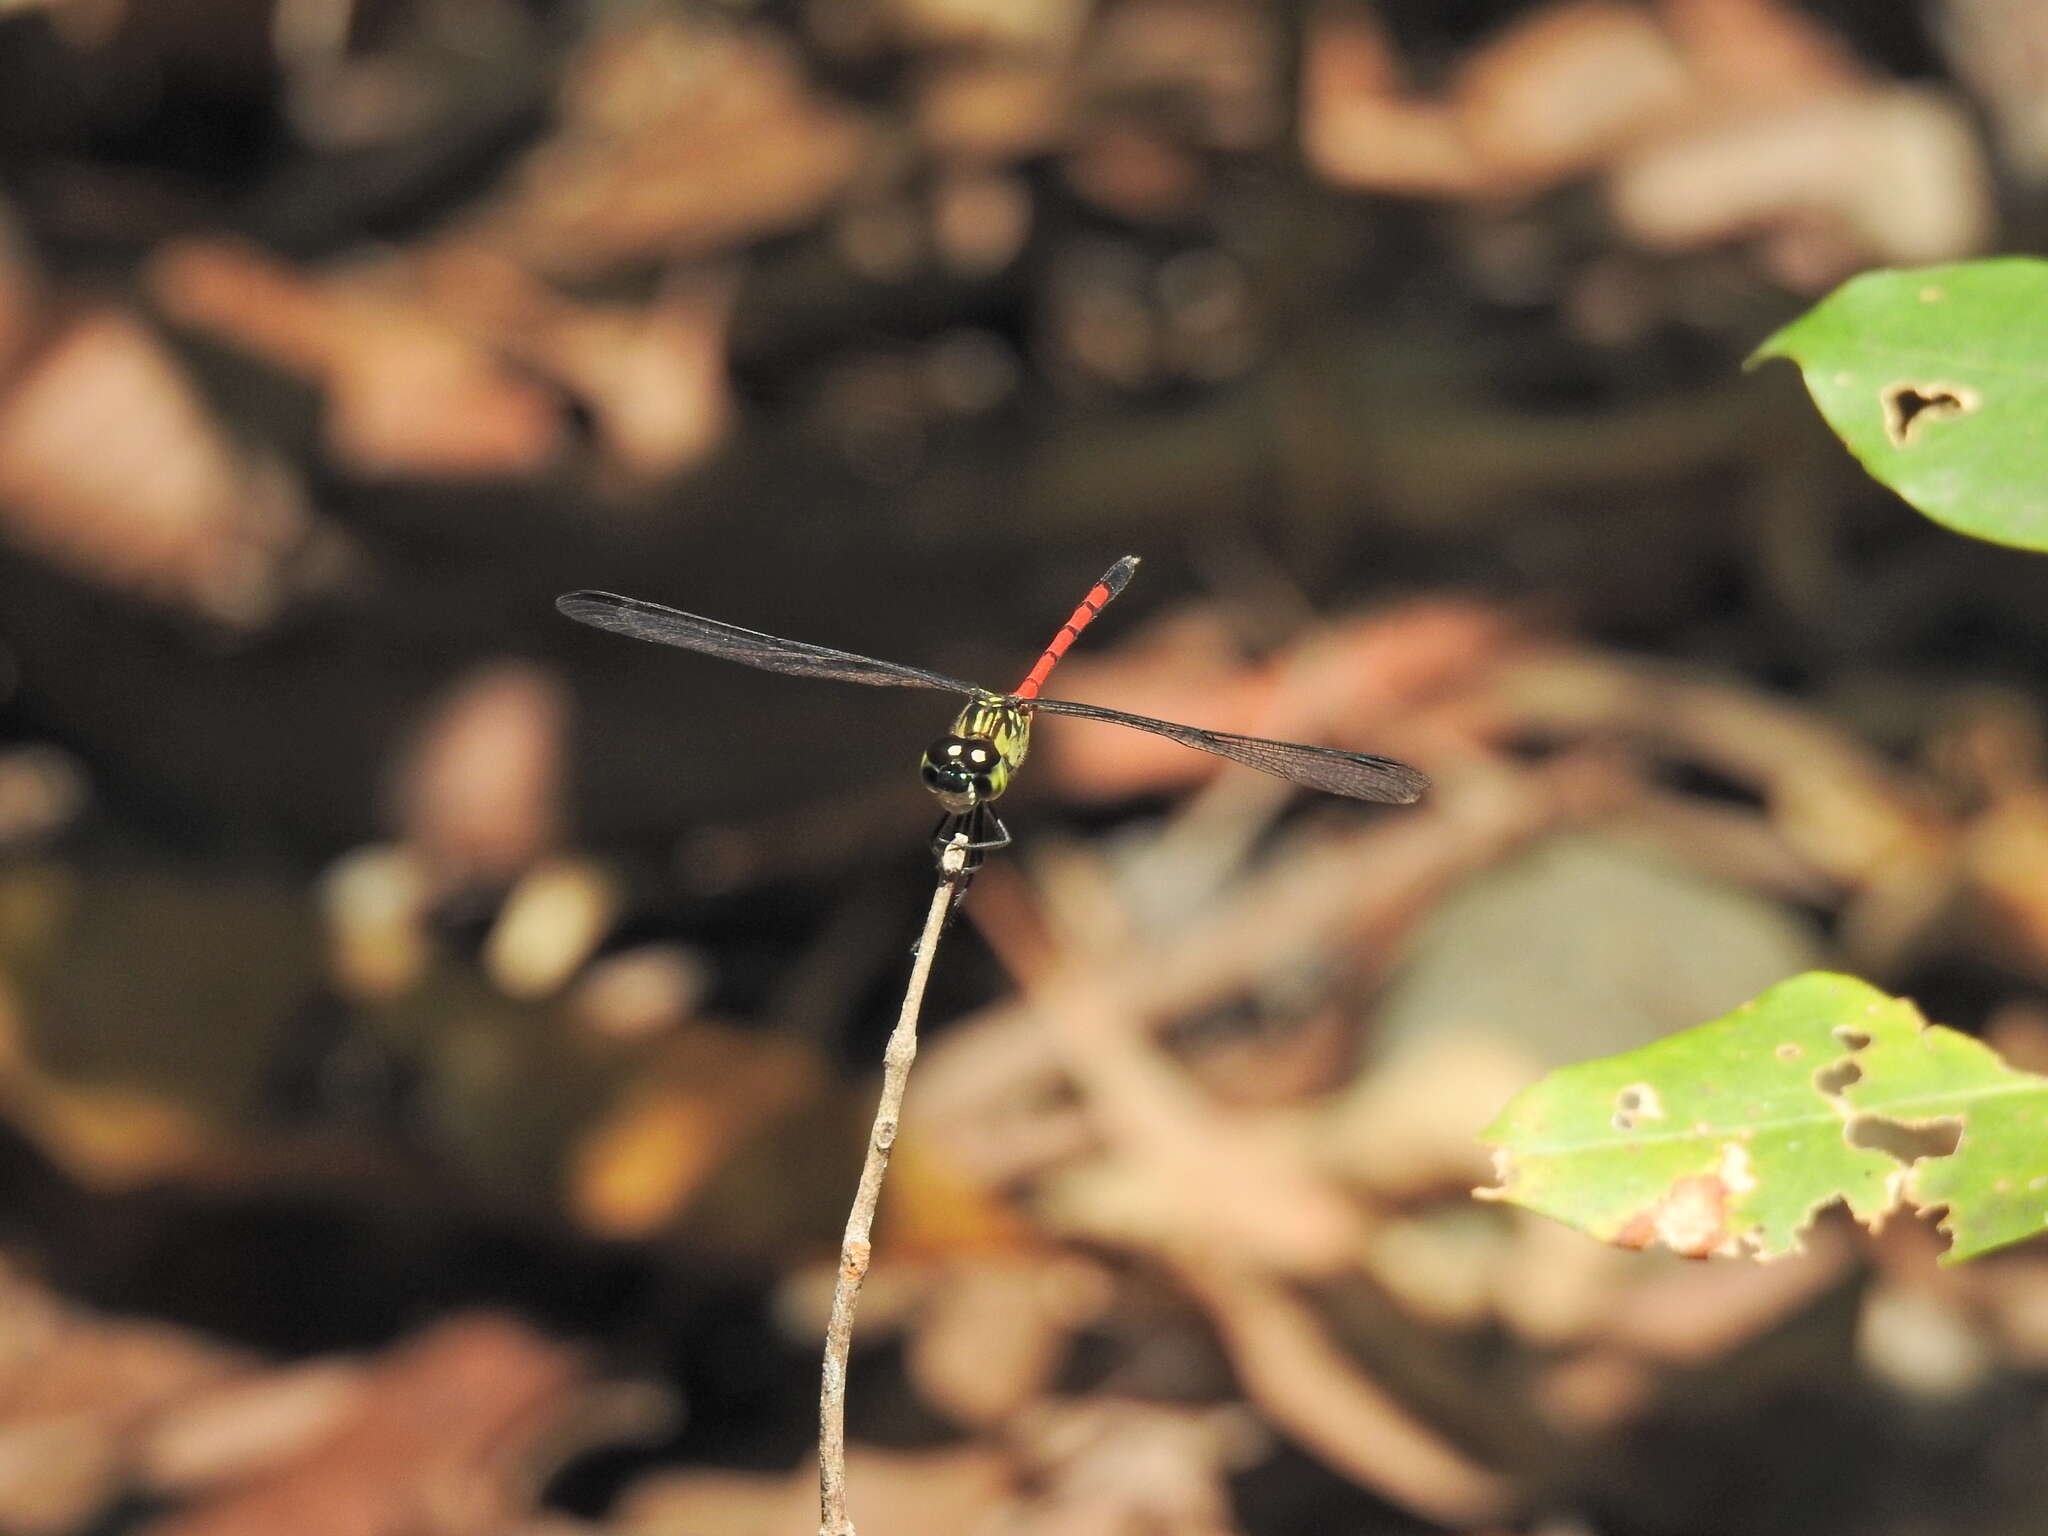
x,y
855,1248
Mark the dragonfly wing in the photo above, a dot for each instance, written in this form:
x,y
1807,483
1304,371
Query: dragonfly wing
x,y
671,626
1357,774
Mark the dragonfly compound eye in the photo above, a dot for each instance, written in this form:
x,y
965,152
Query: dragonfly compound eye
x,y
961,771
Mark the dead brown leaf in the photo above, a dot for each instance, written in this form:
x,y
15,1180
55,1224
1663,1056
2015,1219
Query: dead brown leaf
x,y
951,1490
457,361
479,791
113,468
678,138
409,393
57,1472
2003,853
653,378
642,993
1893,175
1302,1381
1999,48
1760,50
74,1390
1558,92
994,1331
1361,126
1106,1467
444,1440
249,1425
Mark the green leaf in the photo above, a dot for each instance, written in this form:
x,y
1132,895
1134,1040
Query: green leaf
x,y
1937,379
1728,1138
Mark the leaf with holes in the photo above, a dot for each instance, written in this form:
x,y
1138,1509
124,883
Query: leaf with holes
x,y
1729,1138
1937,379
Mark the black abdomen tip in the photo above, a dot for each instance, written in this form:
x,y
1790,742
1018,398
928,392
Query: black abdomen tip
x,y
1118,576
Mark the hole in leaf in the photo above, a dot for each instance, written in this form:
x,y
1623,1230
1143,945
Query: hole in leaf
x,y
1836,1076
1906,1142
1851,1039
1909,408
1638,1101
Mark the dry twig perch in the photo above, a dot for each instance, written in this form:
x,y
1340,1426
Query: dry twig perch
x,y
855,1247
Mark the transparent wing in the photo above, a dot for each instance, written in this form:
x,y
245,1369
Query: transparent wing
x,y
1357,774
671,626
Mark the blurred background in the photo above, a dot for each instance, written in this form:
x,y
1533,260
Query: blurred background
x,y
437,1041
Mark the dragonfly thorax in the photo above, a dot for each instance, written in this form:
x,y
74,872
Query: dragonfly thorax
x,y
973,764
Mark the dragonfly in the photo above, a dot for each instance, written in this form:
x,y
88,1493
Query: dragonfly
x,y
968,769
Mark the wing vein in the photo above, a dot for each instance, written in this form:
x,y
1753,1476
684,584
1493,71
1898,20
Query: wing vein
x,y
639,620
1359,775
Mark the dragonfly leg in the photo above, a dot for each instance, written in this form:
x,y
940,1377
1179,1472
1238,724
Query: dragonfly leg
x,y
980,831
989,833
983,829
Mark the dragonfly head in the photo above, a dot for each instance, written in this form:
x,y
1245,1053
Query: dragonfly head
x,y
963,772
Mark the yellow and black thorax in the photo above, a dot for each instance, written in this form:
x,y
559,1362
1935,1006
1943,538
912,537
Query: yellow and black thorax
x,y
973,764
